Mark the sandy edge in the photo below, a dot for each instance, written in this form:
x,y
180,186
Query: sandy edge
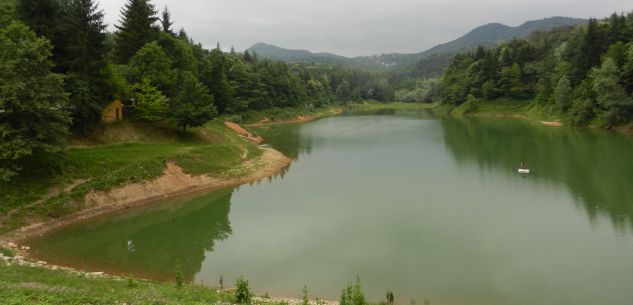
x,y
174,182
516,116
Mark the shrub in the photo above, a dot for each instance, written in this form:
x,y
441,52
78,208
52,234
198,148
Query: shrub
x,y
242,291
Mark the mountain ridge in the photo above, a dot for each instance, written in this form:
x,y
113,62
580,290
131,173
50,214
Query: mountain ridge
x,y
488,34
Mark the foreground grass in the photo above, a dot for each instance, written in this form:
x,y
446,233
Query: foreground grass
x,y
123,153
34,285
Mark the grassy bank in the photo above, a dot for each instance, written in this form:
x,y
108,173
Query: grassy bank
x,y
38,285
376,106
524,109
300,114
280,115
112,156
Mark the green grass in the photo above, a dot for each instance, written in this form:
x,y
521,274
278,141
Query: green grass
x,y
527,109
104,161
373,106
34,285
7,252
282,114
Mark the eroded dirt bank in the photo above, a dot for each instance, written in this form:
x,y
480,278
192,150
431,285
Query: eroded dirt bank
x,y
174,182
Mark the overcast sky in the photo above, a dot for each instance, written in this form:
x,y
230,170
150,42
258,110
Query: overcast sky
x,y
356,27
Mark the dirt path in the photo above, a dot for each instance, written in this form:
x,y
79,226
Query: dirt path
x,y
174,182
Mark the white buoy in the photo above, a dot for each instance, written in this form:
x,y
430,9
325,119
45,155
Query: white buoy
x,y
524,171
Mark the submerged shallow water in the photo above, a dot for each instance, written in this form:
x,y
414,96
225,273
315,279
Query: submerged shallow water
x,y
432,209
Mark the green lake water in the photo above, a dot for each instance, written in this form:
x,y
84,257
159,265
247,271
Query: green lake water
x,y
432,209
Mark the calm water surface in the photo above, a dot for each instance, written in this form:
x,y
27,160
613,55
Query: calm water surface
x,y
429,208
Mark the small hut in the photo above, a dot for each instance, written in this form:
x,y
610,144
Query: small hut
x,y
113,112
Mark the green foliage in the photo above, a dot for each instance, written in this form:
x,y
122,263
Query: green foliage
x,y
8,12
136,28
562,94
179,279
305,300
31,99
609,93
193,105
353,294
242,293
165,21
7,252
40,15
213,75
583,73
83,59
152,63
149,102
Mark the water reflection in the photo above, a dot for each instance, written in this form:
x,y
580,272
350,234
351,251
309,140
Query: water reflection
x,y
596,166
145,242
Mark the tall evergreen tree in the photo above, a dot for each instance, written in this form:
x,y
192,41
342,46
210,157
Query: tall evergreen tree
x,y
165,21
192,105
31,99
136,28
85,62
40,15
213,75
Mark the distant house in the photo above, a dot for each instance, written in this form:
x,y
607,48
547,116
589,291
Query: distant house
x,y
113,112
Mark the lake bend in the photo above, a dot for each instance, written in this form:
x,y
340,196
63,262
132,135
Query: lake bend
x,y
429,208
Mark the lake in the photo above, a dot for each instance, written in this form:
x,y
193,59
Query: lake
x,y
432,209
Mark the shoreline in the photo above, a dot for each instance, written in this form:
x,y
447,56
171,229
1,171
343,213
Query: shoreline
x,y
173,183
518,116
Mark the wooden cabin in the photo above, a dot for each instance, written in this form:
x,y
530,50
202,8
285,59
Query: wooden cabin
x,y
113,112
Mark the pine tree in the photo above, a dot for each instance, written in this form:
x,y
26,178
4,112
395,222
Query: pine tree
x,y
84,61
40,15
136,28
193,105
166,22
31,99
213,75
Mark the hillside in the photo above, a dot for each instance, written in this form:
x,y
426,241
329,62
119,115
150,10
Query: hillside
x,y
487,35
494,33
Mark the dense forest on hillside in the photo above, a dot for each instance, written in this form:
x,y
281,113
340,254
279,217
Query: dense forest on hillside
x,y
61,67
584,73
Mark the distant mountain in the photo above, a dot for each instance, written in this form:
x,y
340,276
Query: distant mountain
x,y
494,33
487,35
302,56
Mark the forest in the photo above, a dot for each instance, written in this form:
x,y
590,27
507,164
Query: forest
x,y
61,67
584,73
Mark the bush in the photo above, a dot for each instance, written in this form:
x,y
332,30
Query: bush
x,y
242,291
306,300
353,295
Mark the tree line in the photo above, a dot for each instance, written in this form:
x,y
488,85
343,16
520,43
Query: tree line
x,y
584,72
60,66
